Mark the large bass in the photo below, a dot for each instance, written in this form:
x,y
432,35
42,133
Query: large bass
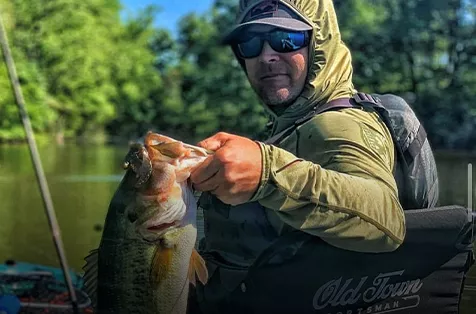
x,y
146,258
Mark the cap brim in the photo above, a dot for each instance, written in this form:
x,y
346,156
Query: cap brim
x,y
279,22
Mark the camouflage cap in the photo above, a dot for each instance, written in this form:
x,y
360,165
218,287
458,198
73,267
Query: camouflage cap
x,y
272,13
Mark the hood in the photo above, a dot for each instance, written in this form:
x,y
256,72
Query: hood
x,y
330,63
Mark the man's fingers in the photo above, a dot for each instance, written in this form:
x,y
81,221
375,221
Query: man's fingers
x,y
215,142
211,166
205,170
210,185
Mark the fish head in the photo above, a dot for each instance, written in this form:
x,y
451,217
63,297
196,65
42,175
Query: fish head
x,y
166,201
165,148
137,159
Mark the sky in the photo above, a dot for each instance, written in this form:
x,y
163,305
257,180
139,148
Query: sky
x,y
172,10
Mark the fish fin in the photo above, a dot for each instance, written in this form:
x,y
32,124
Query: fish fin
x,y
161,263
91,276
197,266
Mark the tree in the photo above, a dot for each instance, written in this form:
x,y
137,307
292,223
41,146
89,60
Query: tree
x,y
419,48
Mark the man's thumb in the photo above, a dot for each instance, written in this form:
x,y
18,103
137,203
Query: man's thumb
x,y
215,142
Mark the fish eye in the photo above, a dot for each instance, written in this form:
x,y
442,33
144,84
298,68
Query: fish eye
x,y
132,216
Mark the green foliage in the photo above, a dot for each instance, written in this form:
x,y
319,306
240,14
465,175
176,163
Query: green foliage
x,y
137,81
421,48
203,88
86,72
214,88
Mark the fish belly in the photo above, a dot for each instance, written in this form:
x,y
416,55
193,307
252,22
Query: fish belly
x,y
172,292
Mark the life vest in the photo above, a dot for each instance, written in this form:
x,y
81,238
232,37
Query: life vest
x,y
235,233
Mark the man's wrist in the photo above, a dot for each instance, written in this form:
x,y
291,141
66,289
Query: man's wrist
x,y
265,169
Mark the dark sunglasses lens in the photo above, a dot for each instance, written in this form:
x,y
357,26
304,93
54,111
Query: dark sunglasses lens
x,y
288,41
250,48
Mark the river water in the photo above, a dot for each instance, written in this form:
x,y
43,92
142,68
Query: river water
x,y
82,180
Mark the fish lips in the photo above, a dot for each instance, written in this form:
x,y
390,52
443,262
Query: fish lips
x,y
153,233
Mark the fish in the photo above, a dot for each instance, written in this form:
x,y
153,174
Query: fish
x,y
146,257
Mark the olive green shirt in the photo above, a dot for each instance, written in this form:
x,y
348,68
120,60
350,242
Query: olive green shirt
x,y
333,178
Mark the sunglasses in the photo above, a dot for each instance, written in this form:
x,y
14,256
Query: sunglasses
x,y
280,41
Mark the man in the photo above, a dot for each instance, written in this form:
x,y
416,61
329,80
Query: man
x,y
331,177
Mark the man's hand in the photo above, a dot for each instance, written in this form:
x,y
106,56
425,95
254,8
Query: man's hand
x,y
233,173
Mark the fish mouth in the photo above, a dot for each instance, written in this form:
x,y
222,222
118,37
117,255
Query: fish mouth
x,y
162,227
153,233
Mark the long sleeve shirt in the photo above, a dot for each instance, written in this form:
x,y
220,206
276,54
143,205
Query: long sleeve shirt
x,y
333,178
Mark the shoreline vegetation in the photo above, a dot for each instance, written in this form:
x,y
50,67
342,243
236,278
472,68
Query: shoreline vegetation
x,y
89,75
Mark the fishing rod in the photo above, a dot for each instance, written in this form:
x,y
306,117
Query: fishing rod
x,y
471,212
45,193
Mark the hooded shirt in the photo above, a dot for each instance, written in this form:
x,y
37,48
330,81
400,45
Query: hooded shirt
x,y
332,177
329,64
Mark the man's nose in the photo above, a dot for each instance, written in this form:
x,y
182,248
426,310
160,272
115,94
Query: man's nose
x,y
268,54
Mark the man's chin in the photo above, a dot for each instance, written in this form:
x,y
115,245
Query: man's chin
x,y
278,99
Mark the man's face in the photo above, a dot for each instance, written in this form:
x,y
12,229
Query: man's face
x,y
278,78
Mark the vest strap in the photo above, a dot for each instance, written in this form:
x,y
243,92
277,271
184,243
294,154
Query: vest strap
x,y
335,104
415,147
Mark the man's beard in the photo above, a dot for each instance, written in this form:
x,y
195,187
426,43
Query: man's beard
x,y
277,100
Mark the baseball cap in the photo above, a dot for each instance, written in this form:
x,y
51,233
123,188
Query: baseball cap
x,y
272,13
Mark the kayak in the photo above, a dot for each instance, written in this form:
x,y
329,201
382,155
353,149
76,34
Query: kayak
x,y
39,289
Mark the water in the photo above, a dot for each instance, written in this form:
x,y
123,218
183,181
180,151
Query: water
x,y
82,180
